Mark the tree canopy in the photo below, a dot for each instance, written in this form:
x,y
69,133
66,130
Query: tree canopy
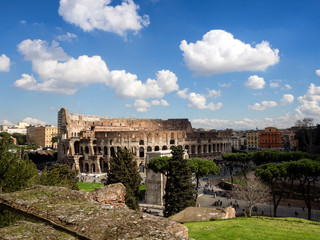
x,y
179,189
124,169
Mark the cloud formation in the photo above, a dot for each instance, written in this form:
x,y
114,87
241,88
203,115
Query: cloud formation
x,y
142,105
99,14
33,121
197,100
309,103
220,52
280,122
255,82
4,63
318,72
67,37
60,73
285,100
6,122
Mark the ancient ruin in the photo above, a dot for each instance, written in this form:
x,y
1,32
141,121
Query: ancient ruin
x,y
88,142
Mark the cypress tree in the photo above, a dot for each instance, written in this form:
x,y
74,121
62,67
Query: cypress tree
x,y
179,188
124,169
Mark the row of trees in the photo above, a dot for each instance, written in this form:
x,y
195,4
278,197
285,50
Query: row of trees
x,y
281,178
282,171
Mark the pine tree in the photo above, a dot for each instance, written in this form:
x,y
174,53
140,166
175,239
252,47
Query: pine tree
x,y
179,189
124,169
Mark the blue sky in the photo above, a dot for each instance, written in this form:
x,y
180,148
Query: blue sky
x,y
222,64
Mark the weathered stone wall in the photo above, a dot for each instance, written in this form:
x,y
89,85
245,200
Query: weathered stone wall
x,y
79,213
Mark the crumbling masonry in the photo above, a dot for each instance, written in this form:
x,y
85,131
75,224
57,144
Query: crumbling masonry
x,y
88,142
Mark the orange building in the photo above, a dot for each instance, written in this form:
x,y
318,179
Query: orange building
x,y
271,137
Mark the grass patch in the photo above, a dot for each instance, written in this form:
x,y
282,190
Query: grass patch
x,y
88,187
258,228
143,187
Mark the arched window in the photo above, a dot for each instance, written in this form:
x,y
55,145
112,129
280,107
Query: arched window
x,y
76,147
95,142
209,148
193,149
156,148
199,149
93,168
105,150
204,148
164,148
95,150
172,141
99,150
149,149
86,166
141,152
81,150
86,149
112,151
141,142
187,148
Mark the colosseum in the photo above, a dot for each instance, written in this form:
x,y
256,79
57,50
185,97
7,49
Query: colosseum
x,y
87,143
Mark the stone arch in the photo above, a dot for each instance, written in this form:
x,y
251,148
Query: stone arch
x,y
105,151
101,161
76,147
95,150
172,141
86,150
81,150
209,148
149,149
193,149
141,152
156,148
112,151
81,164
205,148
199,149
86,167
164,147
94,141
186,147
93,168
141,142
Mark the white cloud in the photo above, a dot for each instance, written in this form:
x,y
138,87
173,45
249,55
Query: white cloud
x,y
263,105
6,123
318,72
220,52
67,37
284,121
160,102
274,85
286,87
4,63
99,14
33,121
255,82
62,74
214,93
286,99
142,105
309,103
197,100
226,85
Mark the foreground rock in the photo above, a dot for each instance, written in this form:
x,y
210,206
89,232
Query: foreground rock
x,y
193,214
81,214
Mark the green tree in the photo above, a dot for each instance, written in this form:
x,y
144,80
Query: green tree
x,y
15,173
307,172
159,164
60,175
19,138
241,160
275,175
179,189
202,167
124,169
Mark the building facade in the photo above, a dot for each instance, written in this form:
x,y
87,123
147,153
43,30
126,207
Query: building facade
x,y
88,142
252,139
271,137
42,135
